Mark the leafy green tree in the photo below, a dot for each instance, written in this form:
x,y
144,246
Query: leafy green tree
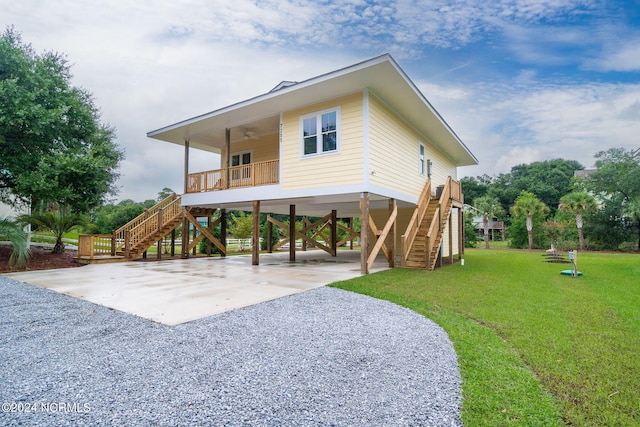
x,y
53,147
632,209
549,180
578,203
617,173
474,187
241,227
111,217
57,220
528,205
489,207
616,183
606,228
11,231
164,193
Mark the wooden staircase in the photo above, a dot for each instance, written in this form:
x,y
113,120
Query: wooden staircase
x,y
132,239
423,238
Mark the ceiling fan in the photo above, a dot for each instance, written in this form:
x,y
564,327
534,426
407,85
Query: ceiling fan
x,y
249,134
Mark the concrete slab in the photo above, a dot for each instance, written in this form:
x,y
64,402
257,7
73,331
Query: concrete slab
x,y
178,291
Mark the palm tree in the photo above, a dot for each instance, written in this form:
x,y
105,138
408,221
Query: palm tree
x,y
12,231
527,204
489,207
58,221
578,203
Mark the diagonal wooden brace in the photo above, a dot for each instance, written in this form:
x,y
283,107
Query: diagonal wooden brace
x,y
382,235
205,233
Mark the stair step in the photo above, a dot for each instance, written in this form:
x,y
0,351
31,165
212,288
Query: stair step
x,y
410,264
417,256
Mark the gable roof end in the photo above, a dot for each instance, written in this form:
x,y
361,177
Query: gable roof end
x,y
282,84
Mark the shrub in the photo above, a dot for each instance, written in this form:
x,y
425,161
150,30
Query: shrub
x,y
470,235
519,236
628,247
202,246
275,236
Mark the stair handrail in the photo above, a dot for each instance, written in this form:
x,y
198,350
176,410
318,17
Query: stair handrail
x,y
118,235
144,215
153,224
416,219
437,220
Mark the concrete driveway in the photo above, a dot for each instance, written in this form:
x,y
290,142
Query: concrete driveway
x,y
178,291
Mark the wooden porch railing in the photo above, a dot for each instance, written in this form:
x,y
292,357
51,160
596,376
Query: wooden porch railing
x,y
456,190
251,175
96,244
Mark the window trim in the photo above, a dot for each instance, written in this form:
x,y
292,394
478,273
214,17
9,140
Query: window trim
x,y
240,154
422,159
318,116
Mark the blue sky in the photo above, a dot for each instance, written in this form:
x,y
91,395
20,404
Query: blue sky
x,y
518,80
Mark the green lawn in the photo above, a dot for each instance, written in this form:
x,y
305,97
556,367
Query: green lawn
x,y
534,347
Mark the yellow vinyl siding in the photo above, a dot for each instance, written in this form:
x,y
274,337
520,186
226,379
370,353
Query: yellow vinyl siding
x,y
394,153
263,149
325,170
454,235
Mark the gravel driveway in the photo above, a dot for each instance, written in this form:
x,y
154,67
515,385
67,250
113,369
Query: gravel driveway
x,y
321,357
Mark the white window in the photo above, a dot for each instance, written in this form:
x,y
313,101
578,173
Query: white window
x,y
423,164
240,159
320,132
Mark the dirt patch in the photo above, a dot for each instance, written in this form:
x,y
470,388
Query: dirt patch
x,y
40,259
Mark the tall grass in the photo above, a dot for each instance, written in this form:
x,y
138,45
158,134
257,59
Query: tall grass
x,y
534,347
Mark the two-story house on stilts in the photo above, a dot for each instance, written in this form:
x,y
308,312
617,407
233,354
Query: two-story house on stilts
x,y
359,142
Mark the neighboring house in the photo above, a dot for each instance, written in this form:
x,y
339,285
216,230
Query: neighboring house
x,y
7,211
493,225
583,173
361,141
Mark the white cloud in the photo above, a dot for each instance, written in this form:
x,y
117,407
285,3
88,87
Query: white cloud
x,y
623,56
446,24
508,125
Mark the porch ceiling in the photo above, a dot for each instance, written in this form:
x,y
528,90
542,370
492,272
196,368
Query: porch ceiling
x,y
261,115
214,139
